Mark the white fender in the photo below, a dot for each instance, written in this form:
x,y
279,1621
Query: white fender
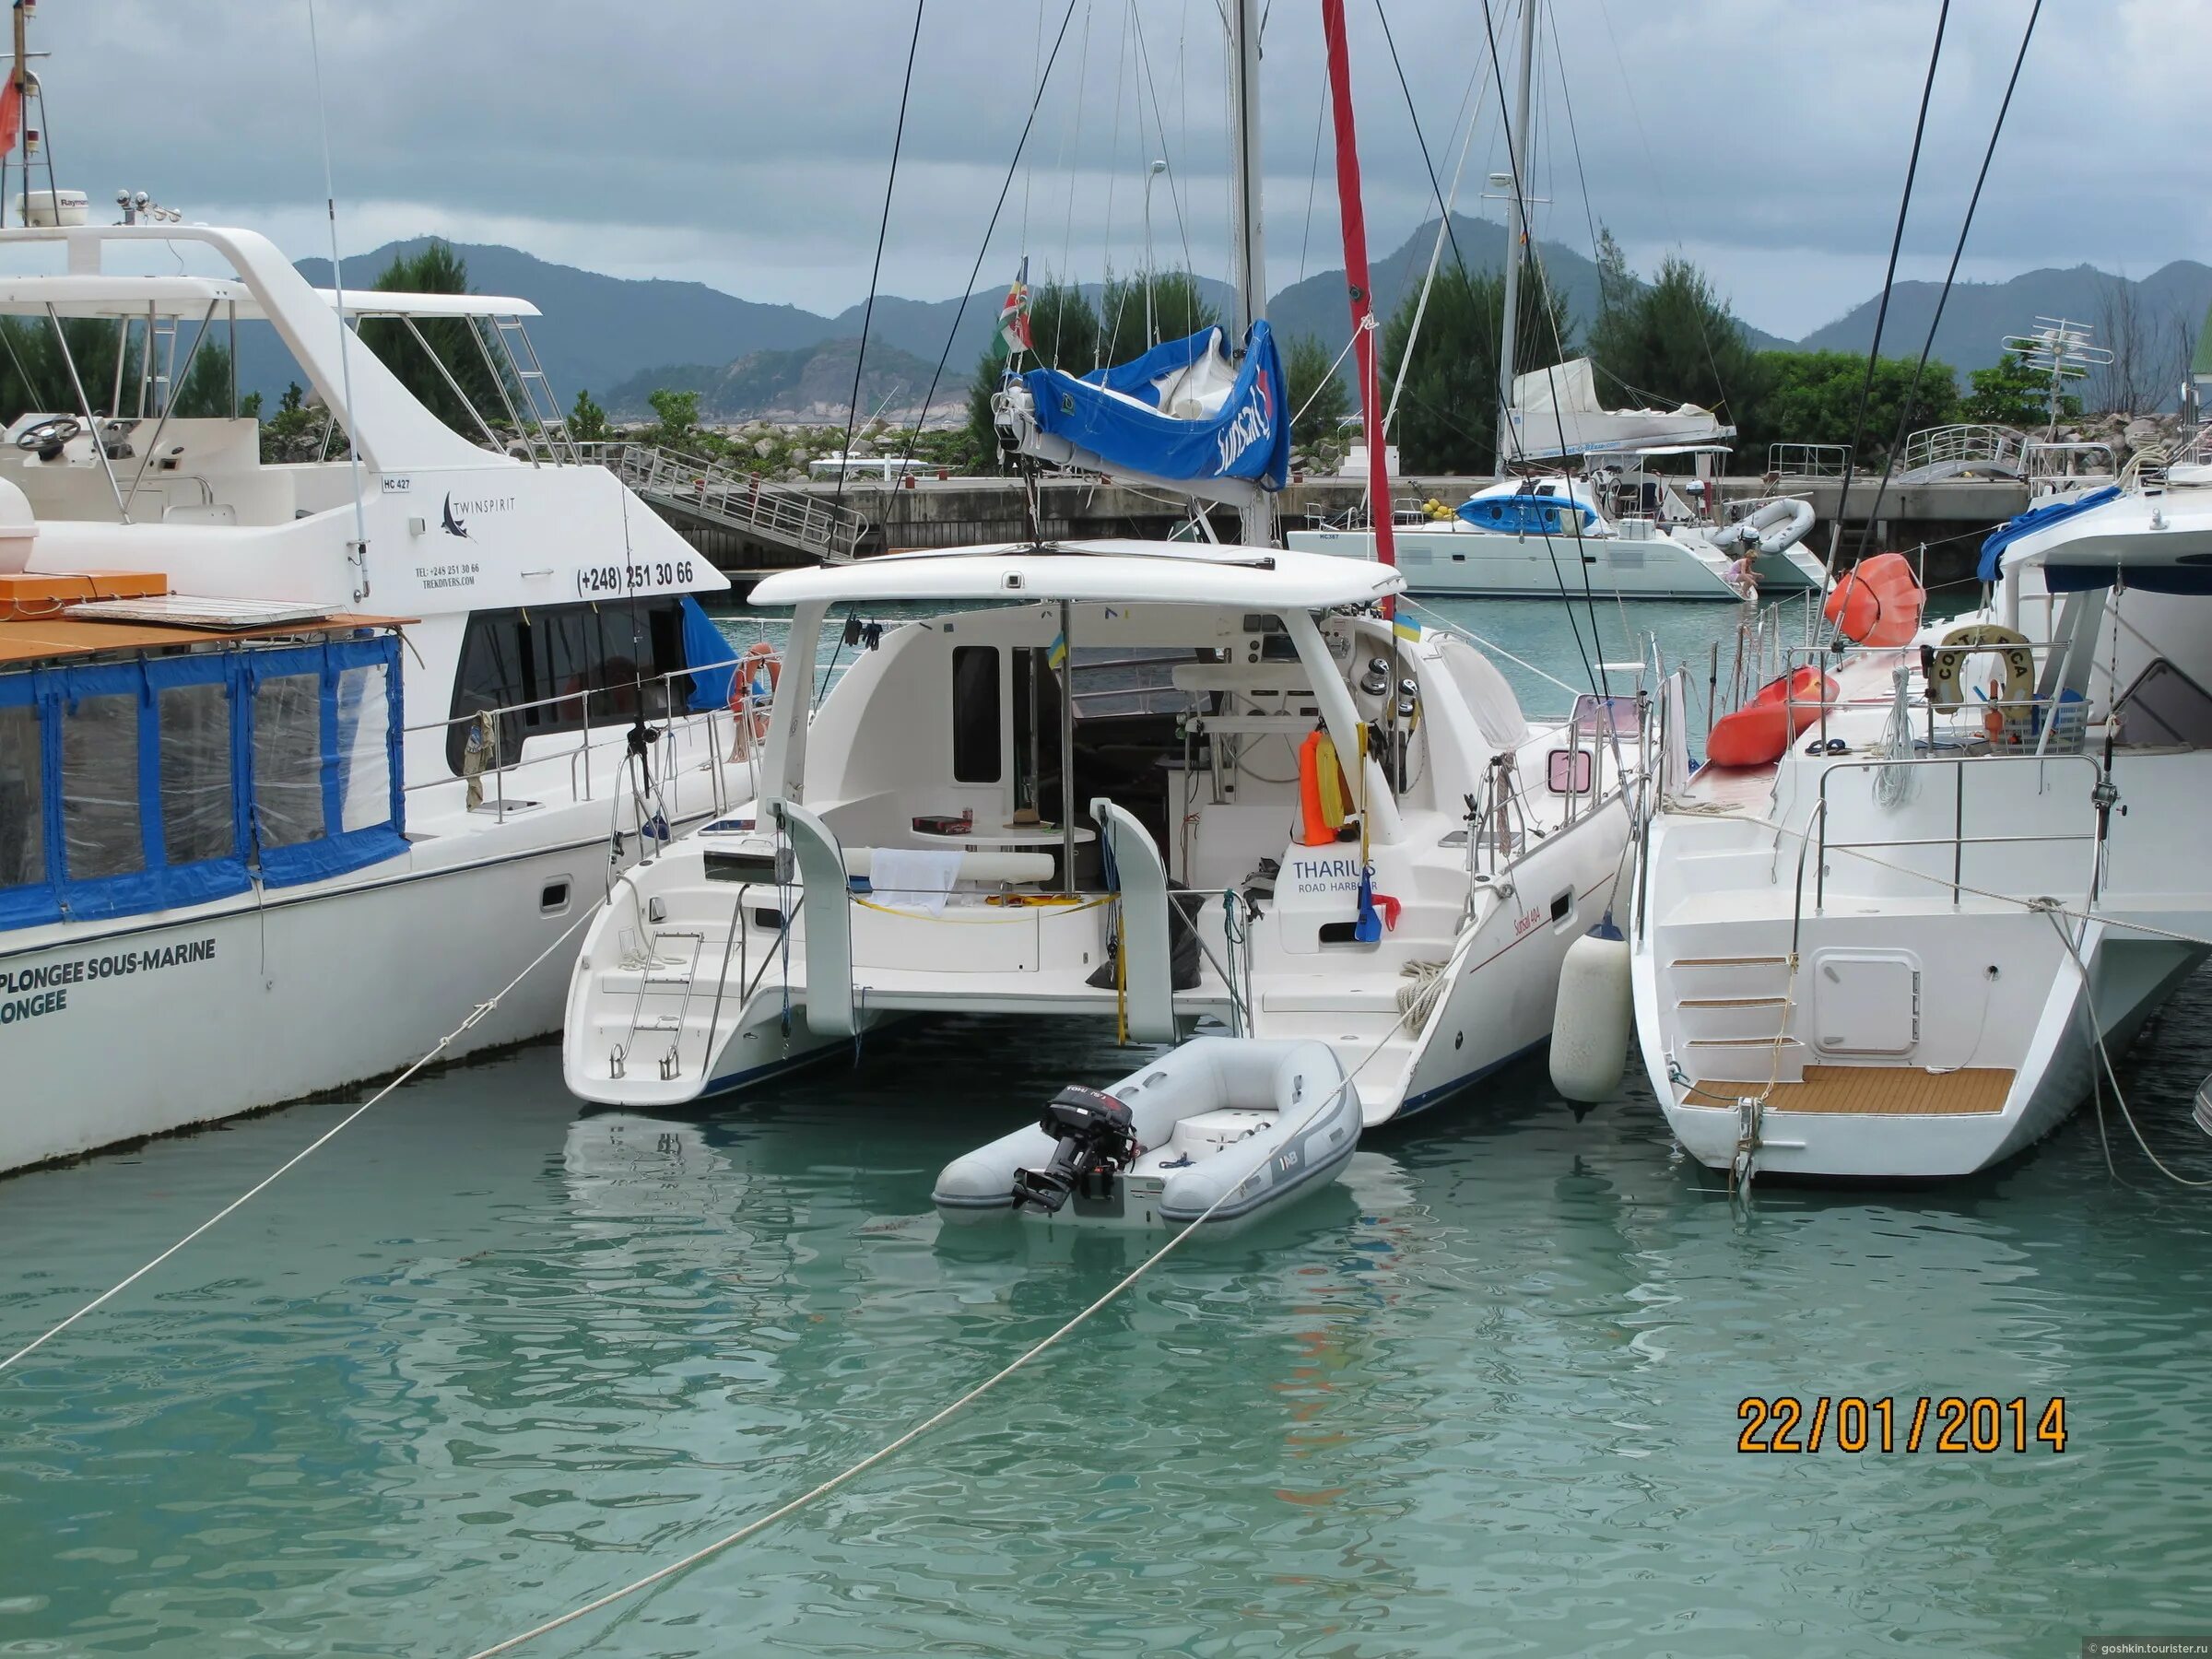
x,y
1590,1026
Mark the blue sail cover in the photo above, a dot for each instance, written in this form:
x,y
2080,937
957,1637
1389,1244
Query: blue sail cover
x,y
1248,438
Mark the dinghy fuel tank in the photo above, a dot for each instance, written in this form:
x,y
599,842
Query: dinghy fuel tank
x,y
1589,1027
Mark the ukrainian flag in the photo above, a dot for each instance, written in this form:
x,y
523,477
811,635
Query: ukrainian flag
x,y
1056,655
1406,627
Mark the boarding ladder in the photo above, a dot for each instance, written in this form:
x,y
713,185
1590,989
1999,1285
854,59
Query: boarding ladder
x,y
525,388
663,977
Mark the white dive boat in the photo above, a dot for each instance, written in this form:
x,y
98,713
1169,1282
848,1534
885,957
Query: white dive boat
x,y
1220,1131
364,742
1182,758
1614,524
1898,950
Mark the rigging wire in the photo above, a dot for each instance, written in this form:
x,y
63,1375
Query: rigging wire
x,y
1321,114
961,311
1896,239
1667,204
860,356
1113,171
1159,127
1593,668
359,558
1074,143
1904,415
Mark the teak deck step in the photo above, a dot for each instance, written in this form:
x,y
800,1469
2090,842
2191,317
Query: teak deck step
x,y
1878,1091
1738,961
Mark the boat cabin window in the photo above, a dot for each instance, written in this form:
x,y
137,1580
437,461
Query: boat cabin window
x,y
176,780
975,714
22,825
196,818
570,662
288,759
99,787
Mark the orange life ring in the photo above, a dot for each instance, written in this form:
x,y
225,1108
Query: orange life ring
x,y
752,691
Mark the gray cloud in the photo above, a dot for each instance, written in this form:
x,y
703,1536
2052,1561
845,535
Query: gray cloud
x,y
745,144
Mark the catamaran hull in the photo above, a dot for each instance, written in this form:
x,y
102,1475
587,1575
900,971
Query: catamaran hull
x,y
1540,565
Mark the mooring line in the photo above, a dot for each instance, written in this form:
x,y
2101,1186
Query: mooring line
x,y
661,1573
475,1017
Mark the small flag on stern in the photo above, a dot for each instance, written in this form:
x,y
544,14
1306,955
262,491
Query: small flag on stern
x,y
1014,314
1057,653
1406,627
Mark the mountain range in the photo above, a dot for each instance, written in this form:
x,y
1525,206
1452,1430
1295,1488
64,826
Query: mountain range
x,y
621,338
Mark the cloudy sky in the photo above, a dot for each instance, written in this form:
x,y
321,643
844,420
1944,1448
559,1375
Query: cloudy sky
x,y
745,144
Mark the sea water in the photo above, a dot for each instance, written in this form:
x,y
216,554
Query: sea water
x,y
493,1352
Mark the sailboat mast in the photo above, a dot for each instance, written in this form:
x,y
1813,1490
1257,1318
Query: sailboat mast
x,y
1250,249
1516,241
1354,217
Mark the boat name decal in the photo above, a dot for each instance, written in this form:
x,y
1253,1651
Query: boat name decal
x,y
1254,423
1324,874
27,993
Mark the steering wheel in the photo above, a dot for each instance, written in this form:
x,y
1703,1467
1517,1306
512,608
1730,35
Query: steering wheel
x,y
48,434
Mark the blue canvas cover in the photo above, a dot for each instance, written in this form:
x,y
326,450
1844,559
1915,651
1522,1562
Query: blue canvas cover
x,y
1249,438
704,643
2030,521
138,869
1526,513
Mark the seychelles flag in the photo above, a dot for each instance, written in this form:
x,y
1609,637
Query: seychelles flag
x,y
1014,313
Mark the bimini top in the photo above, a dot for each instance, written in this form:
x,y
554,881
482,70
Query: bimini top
x,y
101,295
1142,572
2161,544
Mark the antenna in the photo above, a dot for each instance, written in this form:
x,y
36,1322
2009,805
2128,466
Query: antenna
x,y
358,553
2061,350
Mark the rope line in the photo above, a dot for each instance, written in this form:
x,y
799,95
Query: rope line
x,y
961,311
1881,313
476,1017
1904,415
1026,1357
883,227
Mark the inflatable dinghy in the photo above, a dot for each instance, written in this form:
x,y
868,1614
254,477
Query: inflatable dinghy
x,y
1254,1125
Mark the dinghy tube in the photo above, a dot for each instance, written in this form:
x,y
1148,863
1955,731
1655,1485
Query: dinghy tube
x,y
1774,528
1234,1125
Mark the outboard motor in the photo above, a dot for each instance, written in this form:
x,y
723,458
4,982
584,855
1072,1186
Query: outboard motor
x,y
1096,1140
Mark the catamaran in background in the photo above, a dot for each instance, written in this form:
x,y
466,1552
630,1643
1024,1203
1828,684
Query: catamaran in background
x,y
1590,509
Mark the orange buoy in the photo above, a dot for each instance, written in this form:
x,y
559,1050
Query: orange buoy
x,y
1758,734
1877,602
1323,797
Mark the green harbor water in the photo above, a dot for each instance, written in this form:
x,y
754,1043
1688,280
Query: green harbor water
x,y
491,1353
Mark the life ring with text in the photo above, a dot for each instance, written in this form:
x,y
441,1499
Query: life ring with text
x,y
1944,664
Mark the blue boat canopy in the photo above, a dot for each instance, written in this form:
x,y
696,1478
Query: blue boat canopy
x,y
1182,411
1526,513
2033,520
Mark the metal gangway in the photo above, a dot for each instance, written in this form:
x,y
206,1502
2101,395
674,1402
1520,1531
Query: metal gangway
x,y
714,492
1809,462
1934,453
